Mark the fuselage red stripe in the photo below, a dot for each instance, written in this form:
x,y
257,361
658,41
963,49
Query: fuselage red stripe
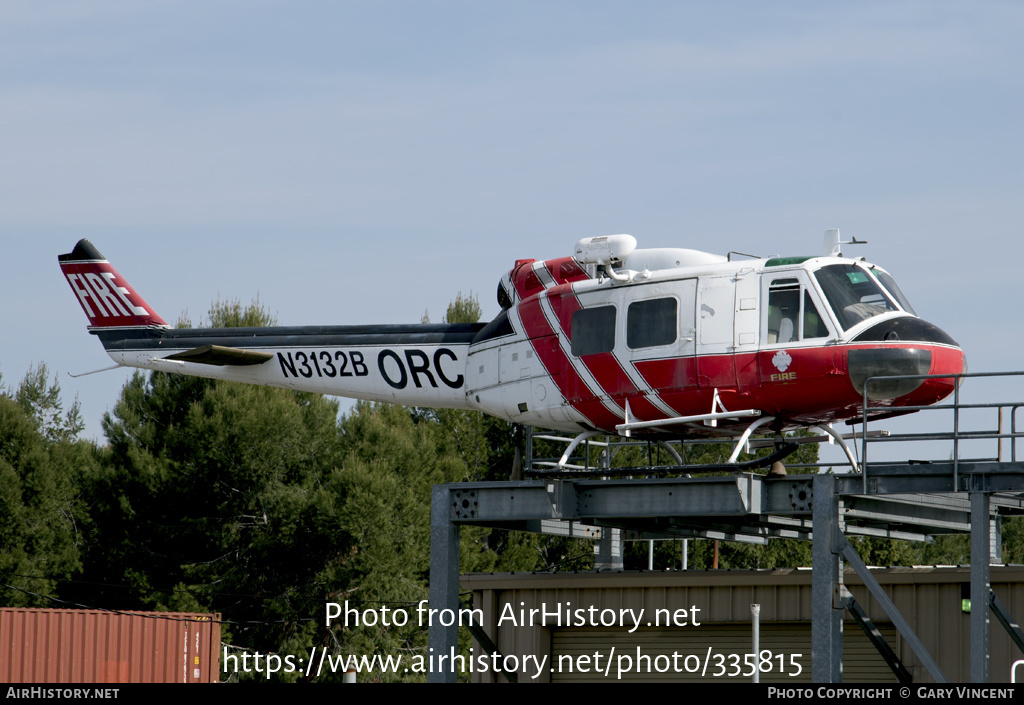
x,y
549,351
565,270
609,374
614,385
545,339
641,409
604,367
565,305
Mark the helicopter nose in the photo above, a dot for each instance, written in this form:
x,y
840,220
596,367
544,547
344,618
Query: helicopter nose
x,y
909,347
865,363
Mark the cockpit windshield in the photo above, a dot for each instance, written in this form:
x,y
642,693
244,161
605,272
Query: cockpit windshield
x,y
853,294
890,285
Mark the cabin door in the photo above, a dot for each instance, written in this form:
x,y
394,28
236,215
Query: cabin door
x,y
716,316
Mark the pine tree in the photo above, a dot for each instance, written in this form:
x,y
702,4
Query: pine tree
x,y
44,518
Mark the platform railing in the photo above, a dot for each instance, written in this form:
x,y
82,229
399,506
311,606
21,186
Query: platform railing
x,y
955,435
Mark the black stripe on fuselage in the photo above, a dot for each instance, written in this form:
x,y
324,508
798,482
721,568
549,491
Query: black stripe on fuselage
x,y
290,336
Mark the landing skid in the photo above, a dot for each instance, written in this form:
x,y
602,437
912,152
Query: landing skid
x,y
743,443
826,430
783,451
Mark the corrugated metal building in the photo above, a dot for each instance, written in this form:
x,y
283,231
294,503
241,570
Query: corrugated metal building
x,y
90,646
931,599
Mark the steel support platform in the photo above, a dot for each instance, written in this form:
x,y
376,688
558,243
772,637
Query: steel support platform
x,y
905,501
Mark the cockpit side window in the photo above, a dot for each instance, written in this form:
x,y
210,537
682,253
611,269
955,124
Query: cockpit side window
x,y
853,294
813,324
593,330
792,314
890,285
783,310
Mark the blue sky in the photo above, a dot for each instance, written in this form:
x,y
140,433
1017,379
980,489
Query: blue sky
x,y
359,162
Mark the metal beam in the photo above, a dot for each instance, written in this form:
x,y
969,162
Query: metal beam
x,y
702,497
444,579
826,581
489,647
886,603
882,509
1006,619
608,551
745,506
883,533
980,587
876,638
933,477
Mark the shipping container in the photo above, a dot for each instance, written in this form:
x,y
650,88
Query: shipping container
x,y
92,646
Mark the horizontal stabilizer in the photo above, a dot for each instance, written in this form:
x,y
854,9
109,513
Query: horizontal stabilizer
x,y
220,355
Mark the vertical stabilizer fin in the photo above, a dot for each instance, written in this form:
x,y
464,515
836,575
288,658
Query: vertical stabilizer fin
x,y
107,298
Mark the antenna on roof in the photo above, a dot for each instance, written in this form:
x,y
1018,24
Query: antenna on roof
x,y
833,244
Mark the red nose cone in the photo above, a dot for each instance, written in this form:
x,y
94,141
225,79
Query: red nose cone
x,y
898,356
901,376
945,361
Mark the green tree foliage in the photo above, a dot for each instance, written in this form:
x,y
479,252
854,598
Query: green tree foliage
x,y
378,508
41,401
232,314
464,309
257,503
209,501
44,517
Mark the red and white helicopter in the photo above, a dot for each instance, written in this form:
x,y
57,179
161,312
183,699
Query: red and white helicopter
x,y
650,343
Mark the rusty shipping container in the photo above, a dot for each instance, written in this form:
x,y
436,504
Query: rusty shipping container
x,y
90,646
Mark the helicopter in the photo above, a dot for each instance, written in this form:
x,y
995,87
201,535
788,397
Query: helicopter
x,y
651,343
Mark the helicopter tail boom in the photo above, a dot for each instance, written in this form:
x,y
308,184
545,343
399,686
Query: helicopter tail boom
x,y
418,365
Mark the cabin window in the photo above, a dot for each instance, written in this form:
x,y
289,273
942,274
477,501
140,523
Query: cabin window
x,y
652,323
593,330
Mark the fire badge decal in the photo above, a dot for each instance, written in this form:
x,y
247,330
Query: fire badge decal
x,y
782,360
